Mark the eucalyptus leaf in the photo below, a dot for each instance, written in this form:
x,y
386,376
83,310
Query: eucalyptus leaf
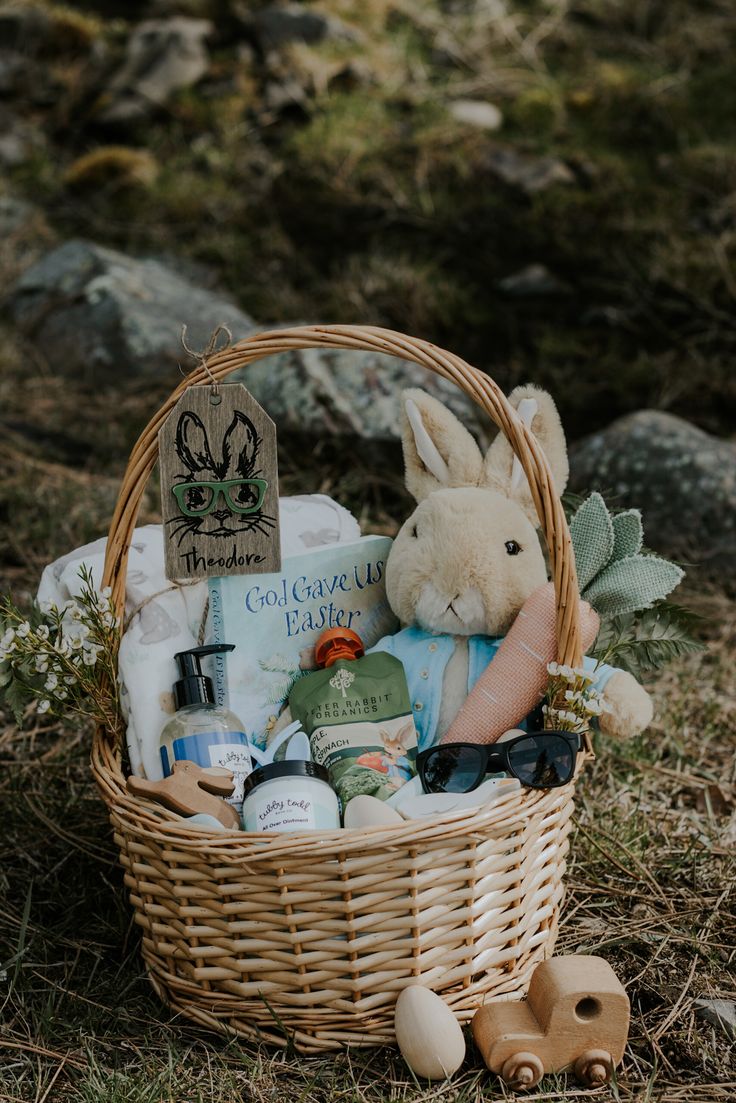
x,y
628,534
636,582
591,530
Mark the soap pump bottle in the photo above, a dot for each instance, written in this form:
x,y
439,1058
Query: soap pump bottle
x,y
202,731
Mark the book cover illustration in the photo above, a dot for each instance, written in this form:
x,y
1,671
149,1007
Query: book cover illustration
x,y
274,620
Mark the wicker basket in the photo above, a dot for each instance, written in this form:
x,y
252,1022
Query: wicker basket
x,y
309,939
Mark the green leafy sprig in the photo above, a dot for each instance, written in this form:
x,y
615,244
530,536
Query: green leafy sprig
x,y
62,659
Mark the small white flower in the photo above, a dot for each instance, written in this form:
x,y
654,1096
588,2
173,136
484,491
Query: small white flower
x,y
593,707
106,592
63,646
8,638
567,673
43,706
23,630
70,680
553,669
90,656
61,695
51,682
42,631
47,607
42,664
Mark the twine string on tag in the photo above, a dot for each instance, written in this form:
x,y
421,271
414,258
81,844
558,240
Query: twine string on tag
x,y
203,356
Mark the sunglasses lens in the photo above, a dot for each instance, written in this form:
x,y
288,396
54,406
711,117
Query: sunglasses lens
x,y
453,769
542,761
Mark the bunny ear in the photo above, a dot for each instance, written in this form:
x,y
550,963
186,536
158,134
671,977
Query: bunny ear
x,y
503,471
192,445
240,446
438,450
407,734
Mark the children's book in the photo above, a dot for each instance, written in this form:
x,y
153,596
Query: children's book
x,y
274,620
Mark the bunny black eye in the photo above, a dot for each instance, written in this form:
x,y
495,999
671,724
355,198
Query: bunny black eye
x,y
512,548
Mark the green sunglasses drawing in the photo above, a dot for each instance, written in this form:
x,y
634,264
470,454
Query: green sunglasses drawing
x,y
198,499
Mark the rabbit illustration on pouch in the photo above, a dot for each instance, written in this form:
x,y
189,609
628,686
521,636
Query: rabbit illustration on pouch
x,y
467,560
218,488
395,747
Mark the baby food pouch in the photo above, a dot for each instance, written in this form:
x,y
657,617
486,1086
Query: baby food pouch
x,y
358,716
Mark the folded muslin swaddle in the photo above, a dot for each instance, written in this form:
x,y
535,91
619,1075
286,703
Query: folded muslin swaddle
x,y
162,618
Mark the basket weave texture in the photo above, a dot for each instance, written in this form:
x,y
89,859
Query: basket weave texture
x,y
309,938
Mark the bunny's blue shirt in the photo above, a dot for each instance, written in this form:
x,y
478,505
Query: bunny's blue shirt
x,y
425,657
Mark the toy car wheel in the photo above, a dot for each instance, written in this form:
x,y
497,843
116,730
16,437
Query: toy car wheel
x,y
522,1071
594,1067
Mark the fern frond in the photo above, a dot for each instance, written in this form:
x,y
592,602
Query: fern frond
x,y
640,642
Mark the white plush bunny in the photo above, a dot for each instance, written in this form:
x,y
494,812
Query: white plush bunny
x,y
469,556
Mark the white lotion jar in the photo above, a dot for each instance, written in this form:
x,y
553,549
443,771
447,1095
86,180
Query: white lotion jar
x,y
290,796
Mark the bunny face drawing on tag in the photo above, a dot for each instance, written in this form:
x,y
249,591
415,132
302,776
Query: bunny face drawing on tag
x,y
219,490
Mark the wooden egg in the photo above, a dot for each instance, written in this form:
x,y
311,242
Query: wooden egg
x,y
364,811
428,1034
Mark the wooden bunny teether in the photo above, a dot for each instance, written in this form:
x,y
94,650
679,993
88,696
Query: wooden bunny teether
x,y
190,789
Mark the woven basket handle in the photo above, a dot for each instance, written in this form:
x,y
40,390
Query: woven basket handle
x,y
368,338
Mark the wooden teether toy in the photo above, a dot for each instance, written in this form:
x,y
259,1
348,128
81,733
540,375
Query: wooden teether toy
x,y
576,1014
190,789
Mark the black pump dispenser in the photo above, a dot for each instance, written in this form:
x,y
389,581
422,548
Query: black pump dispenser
x,y
194,687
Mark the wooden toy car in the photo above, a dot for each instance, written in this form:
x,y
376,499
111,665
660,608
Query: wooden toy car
x,y
576,1013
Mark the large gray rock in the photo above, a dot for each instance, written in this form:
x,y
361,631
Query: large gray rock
x,y
99,312
340,393
163,57
682,479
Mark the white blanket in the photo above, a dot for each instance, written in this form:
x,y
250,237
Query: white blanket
x,y
162,618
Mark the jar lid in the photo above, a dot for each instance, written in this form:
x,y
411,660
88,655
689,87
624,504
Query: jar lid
x,y
287,768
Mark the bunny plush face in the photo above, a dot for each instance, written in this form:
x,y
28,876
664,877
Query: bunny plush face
x,y
469,556
218,484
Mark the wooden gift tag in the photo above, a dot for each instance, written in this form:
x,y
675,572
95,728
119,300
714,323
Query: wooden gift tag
x,y
219,485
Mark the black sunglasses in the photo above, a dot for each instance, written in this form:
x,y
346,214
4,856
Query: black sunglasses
x,y
539,760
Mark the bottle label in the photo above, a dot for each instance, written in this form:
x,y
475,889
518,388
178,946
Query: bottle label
x,y
292,812
227,749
